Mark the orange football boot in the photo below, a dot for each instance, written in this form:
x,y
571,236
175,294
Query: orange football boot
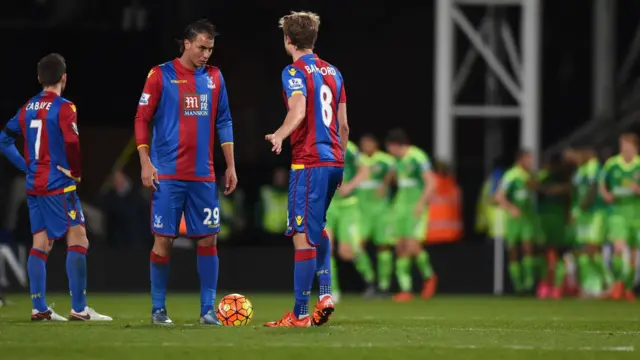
x,y
323,310
630,296
290,320
429,287
404,296
617,292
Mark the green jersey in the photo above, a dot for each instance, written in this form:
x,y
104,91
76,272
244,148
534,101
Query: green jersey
x,y
379,164
556,204
352,161
618,176
585,177
515,183
409,170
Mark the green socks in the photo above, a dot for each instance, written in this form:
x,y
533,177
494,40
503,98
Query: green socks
x,y
403,272
385,269
560,273
515,272
527,272
364,267
584,269
423,264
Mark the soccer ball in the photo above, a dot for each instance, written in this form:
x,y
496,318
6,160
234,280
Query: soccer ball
x,y
235,310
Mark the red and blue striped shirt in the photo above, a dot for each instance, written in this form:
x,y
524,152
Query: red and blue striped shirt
x,y
186,108
316,141
48,123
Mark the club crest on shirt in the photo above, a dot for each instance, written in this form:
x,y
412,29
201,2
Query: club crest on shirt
x,y
195,104
210,83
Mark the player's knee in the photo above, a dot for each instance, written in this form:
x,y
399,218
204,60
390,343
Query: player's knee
x,y
211,240
41,241
162,245
346,252
77,236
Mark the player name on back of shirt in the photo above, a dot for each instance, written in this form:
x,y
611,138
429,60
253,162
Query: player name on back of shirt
x,y
326,70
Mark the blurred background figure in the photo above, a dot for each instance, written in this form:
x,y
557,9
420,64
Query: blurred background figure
x,y
271,210
125,209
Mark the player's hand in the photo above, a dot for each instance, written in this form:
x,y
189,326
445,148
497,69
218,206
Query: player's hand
x,y
276,143
345,190
67,173
418,210
149,176
607,197
515,212
230,181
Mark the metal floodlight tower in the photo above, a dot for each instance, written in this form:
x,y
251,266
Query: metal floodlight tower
x,y
523,87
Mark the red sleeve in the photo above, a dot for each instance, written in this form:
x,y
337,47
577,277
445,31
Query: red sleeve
x,y
343,95
68,121
147,105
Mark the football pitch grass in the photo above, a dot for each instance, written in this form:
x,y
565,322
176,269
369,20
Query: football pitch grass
x,y
442,328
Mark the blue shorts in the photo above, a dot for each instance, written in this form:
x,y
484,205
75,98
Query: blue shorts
x,y
198,200
310,193
55,214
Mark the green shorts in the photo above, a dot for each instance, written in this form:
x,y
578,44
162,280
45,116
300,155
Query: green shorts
x,y
589,228
554,230
405,223
376,223
343,221
620,227
520,229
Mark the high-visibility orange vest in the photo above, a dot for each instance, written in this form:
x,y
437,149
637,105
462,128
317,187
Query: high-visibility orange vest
x,y
445,212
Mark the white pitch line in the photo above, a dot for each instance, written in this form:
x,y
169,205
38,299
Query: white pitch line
x,y
345,345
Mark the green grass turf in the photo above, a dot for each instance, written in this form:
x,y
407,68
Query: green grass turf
x,y
443,328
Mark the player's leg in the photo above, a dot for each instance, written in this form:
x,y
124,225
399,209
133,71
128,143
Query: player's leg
x,y
544,257
403,233
37,263
307,211
326,299
77,245
350,246
167,205
421,257
528,243
202,217
597,239
383,239
632,245
513,230
618,234
327,271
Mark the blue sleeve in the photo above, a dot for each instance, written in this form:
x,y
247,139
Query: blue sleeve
x,y
293,82
7,144
224,125
496,176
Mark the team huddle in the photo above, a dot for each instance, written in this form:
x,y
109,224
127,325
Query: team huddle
x,y
581,206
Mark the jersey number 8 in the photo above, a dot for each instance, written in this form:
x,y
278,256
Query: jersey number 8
x,y
326,97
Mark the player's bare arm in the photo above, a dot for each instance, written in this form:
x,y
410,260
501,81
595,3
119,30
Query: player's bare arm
x,y
361,175
606,194
501,199
8,147
386,183
230,176
297,112
343,128
429,180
